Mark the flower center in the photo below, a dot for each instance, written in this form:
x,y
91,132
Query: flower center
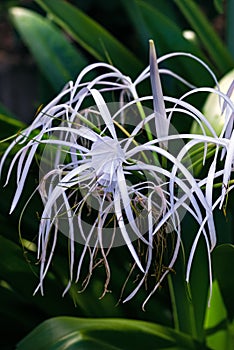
x,y
107,156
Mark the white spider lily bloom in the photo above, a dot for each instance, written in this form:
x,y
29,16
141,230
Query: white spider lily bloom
x,y
116,173
56,111
104,174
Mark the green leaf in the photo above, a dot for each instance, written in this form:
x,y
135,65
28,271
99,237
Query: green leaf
x,y
9,126
199,286
168,37
218,330
223,262
183,311
142,32
58,60
91,36
189,302
20,271
165,14
13,306
211,41
219,5
99,334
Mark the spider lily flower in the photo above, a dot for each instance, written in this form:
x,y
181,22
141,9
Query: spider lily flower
x,y
219,109
110,173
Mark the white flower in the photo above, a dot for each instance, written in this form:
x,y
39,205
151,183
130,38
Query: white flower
x,y
117,173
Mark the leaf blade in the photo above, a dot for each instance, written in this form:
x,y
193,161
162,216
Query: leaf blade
x,y
76,333
91,35
211,41
56,57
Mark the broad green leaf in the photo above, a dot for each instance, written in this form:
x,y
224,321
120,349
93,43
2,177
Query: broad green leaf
x,y
199,286
167,35
190,301
217,328
223,262
91,36
19,270
162,9
58,60
219,4
211,41
168,38
100,334
183,310
142,31
167,8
